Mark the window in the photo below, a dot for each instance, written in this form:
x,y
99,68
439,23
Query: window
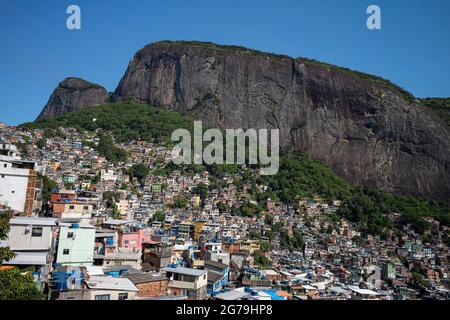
x,y
71,207
3,175
102,297
85,208
123,296
36,232
66,251
13,191
69,235
5,165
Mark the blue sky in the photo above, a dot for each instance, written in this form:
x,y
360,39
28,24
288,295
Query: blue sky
x,y
37,50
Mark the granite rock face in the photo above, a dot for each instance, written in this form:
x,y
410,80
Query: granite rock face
x,y
366,129
369,131
73,94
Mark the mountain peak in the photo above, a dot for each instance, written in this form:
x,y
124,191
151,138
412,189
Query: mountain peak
x,y
365,128
73,94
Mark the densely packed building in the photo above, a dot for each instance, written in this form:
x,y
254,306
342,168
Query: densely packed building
x,y
102,233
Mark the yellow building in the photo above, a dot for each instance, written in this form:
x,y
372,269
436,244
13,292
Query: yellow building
x,y
250,246
86,185
54,165
123,206
198,227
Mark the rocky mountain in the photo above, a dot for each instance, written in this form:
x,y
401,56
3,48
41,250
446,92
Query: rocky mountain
x,y
73,94
366,129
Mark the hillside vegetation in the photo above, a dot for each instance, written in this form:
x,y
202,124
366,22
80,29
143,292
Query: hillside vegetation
x,y
301,176
126,121
440,106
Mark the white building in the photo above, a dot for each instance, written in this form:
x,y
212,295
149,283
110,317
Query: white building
x,y
32,240
108,175
111,288
187,281
18,182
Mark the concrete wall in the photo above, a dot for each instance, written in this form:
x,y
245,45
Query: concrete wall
x,y
223,257
132,239
87,294
113,294
13,186
21,239
81,246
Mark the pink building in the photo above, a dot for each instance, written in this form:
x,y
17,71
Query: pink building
x,y
132,239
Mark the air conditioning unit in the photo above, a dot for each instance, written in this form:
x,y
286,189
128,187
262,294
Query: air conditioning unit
x,y
28,229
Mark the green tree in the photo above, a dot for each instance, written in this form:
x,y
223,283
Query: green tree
x,y
268,219
249,209
5,253
180,202
115,214
126,121
270,234
261,260
202,190
292,243
222,207
264,246
96,178
40,143
277,227
23,148
298,175
159,216
124,186
140,172
109,150
48,186
254,234
69,186
110,198
13,285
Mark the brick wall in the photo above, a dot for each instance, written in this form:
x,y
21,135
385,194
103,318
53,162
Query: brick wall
x,y
152,289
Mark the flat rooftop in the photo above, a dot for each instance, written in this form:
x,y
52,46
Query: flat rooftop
x,y
35,221
186,271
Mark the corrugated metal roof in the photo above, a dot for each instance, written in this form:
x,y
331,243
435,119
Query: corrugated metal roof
x,y
232,295
29,258
33,221
110,283
118,222
187,271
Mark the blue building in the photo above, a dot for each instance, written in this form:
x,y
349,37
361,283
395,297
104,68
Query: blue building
x,y
217,276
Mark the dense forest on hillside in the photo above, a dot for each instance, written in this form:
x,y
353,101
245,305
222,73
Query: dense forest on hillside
x,y
126,121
